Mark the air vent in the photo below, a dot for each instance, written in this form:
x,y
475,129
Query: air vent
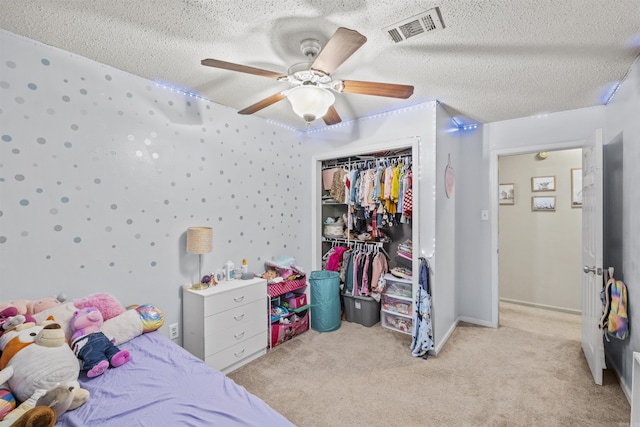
x,y
425,22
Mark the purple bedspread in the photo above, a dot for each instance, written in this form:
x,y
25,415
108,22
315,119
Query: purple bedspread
x,y
164,385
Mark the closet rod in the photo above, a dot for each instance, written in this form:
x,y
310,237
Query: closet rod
x,y
350,242
328,164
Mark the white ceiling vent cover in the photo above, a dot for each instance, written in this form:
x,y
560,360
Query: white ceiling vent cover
x,y
425,22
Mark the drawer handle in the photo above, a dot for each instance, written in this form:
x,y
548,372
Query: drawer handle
x,y
238,336
240,353
238,299
239,317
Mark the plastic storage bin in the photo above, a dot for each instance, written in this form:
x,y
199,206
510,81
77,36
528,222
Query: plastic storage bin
x,y
397,304
361,309
398,322
325,300
397,287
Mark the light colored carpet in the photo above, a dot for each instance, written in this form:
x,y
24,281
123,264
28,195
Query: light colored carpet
x,y
528,372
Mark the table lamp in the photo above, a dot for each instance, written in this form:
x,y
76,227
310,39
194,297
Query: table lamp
x,y
199,241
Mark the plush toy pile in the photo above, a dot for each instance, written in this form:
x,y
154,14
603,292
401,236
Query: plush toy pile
x,y
37,364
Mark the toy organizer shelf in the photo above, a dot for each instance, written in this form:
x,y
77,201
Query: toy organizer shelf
x,y
295,320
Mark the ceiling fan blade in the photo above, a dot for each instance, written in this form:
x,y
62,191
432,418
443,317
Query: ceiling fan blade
x,y
216,63
263,103
338,49
378,89
332,117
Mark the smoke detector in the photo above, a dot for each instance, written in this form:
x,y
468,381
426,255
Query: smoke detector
x,y
423,23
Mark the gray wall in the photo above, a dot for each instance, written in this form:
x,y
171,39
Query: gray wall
x,y
473,234
623,127
532,242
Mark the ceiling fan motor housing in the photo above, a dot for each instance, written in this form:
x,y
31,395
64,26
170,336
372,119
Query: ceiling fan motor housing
x,y
310,48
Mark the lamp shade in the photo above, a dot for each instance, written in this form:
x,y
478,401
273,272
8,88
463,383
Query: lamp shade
x,y
199,240
310,102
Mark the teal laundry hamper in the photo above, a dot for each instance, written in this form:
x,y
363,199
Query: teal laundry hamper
x,y
325,300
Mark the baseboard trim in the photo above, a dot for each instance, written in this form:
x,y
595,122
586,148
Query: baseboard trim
x,y
626,388
475,321
544,306
444,339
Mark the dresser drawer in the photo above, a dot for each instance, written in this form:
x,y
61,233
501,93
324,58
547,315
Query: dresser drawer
x,y
234,298
214,325
225,358
218,341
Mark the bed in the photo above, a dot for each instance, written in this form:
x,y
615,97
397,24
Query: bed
x,y
161,385
164,385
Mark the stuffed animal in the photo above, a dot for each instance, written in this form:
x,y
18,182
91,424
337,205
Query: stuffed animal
x,y
58,398
40,416
10,318
92,346
36,359
29,307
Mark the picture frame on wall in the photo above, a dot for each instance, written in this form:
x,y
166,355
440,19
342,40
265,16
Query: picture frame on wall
x,y
543,203
506,194
543,183
576,188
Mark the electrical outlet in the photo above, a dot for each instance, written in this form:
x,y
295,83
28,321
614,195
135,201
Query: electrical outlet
x,y
173,331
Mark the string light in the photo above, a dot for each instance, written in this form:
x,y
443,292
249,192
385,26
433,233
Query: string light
x,y
180,90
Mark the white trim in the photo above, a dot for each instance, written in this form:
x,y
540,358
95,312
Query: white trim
x,y
475,321
543,306
626,388
438,346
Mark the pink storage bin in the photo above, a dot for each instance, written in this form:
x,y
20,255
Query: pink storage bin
x,y
297,301
284,332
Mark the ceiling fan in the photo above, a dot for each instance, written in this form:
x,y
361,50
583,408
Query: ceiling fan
x,y
312,96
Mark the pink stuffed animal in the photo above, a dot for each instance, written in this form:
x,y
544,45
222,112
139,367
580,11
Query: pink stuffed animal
x,y
10,318
92,346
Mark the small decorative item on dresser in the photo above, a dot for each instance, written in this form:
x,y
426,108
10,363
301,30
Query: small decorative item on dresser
x,y
199,241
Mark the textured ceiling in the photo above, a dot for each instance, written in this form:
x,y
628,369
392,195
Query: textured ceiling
x,y
495,60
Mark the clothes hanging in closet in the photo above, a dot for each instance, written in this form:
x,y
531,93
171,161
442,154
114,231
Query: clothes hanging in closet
x,y
360,269
422,340
379,195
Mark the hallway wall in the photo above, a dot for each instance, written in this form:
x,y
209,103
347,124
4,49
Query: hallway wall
x,y
532,242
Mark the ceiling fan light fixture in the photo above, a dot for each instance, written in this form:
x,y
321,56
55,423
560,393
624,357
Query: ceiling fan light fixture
x,y
310,102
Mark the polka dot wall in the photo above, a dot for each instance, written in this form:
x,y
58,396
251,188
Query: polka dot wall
x,y
102,172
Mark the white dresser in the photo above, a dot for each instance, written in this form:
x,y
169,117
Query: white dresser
x,y
226,325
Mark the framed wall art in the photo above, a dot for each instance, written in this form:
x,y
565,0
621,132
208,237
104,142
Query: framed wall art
x,y
576,188
543,183
543,203
506,194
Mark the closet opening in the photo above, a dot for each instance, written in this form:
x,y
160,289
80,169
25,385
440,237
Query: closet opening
x,y
366,228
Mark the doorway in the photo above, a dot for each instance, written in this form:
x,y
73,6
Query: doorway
x,y
539,229
494,158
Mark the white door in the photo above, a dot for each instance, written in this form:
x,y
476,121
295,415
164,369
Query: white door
x,y
592,343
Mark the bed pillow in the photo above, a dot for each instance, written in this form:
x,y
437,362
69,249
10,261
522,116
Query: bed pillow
x,y
122,328
105,303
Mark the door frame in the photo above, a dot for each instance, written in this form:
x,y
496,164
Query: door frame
x,y
494,156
